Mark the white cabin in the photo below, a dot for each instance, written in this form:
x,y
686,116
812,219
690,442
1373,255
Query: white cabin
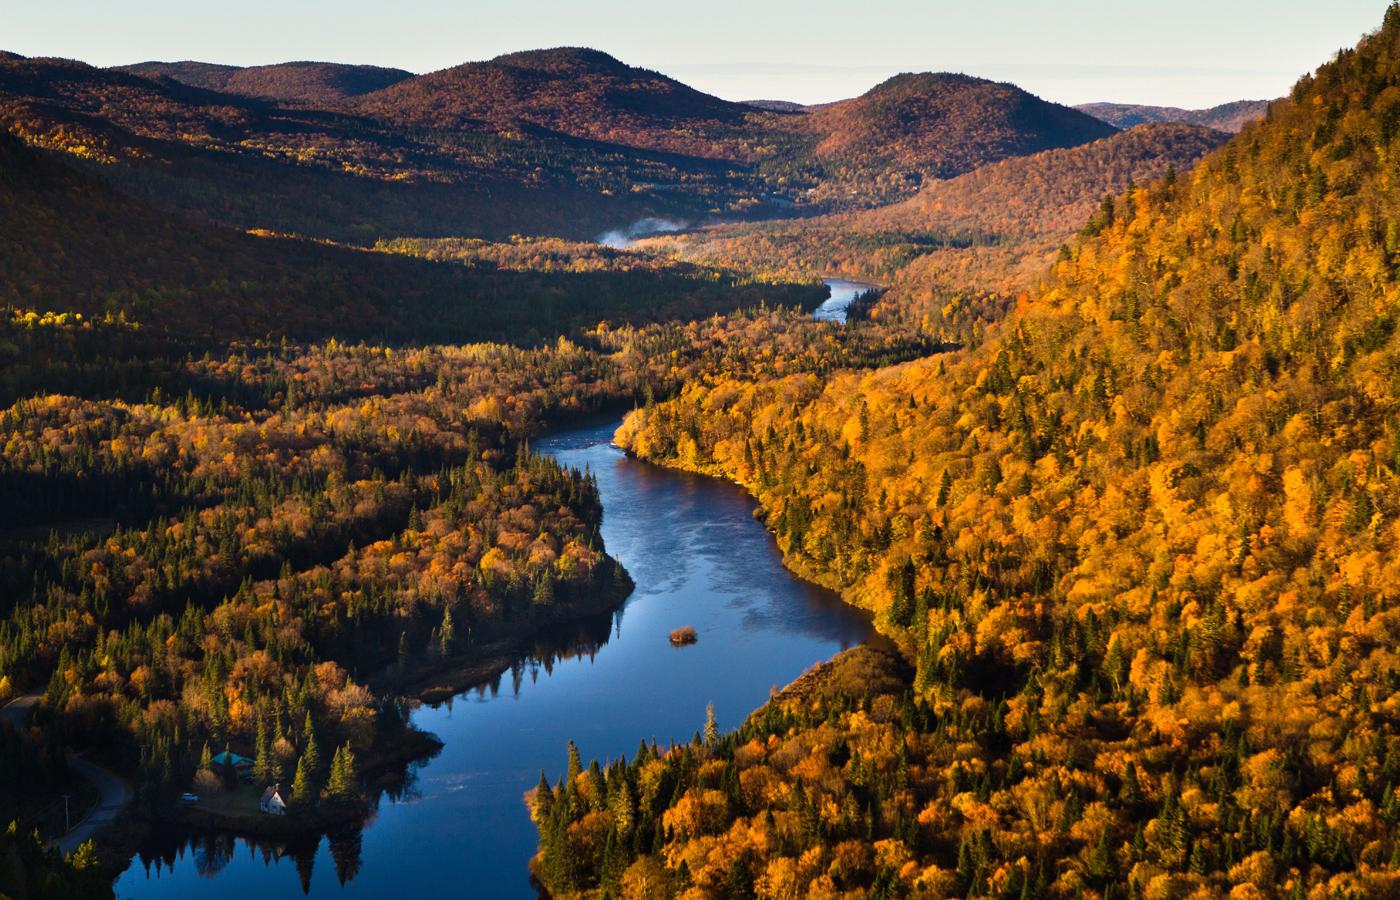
x,y
272,801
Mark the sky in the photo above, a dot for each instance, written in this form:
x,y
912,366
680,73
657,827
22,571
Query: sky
x,y
1190,53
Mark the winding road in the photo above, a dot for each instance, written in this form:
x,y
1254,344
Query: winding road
x,y
114,791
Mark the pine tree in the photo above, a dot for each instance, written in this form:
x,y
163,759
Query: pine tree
x,y
575,765
312,754
262,754
303,791
447,635
343,783
711,726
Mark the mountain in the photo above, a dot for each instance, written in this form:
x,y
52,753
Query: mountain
x,y
310,83
244,162
915,127
573,91
1229,117
567,141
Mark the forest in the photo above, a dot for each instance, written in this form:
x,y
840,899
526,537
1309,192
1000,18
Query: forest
x,y
1111,457
1138,549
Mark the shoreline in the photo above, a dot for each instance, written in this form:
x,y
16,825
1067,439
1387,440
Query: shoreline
x,y
431,682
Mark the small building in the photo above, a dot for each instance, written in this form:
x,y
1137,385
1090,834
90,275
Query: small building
x,y
240,766
272,802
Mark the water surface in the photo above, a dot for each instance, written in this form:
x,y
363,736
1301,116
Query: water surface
x,y
842,294
460,828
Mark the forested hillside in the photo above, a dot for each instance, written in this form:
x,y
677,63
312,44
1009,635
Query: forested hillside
x,y
311,83
245,162
579,92
74,246
957,254
922,126
1140,547
1231,117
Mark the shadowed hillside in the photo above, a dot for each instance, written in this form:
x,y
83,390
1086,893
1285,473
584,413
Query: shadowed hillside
x,y
309,83
74,245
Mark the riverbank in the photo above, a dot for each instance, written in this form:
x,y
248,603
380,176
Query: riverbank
x,y
604,679
435,681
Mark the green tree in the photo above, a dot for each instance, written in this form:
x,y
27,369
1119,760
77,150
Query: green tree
x,y
303,791
344,780
447,634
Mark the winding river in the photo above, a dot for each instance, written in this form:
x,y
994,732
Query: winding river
x,y
460,828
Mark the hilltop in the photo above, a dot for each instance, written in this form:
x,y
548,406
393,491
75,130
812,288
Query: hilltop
x,y
915,127
244,162
573,91
567,141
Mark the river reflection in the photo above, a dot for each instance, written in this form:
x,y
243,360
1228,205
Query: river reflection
x,y
456,826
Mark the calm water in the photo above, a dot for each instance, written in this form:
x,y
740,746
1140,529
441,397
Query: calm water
x,y
460,829
842,293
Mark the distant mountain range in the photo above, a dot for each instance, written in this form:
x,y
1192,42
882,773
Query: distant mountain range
x,y
564,141
1229,117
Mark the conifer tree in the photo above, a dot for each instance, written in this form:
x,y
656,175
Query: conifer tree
x,y
344,779
303,791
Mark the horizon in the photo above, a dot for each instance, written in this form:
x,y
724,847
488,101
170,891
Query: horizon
x,y
1181,63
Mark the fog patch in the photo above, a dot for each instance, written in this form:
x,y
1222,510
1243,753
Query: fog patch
x,y
625,238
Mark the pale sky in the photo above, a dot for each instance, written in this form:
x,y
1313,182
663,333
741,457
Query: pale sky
x,y
1172,52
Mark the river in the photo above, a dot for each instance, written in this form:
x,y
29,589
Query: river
x,y
842,294
461,829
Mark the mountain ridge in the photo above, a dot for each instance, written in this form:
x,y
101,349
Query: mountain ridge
x,y
1229,117
310,82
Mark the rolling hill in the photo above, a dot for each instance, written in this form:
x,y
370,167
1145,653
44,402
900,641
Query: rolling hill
x,y
1052,192
567,141
249,163
1230,117
578,92
309,83
991,228
915,127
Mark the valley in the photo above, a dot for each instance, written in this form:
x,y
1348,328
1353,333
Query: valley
x,y
542,477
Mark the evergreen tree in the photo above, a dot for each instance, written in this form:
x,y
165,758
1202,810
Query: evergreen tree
x,y
263,771
575,765
344,781
447,634
303,791
312,754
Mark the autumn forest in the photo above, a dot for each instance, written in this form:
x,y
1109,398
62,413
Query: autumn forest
x,y
1102,457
